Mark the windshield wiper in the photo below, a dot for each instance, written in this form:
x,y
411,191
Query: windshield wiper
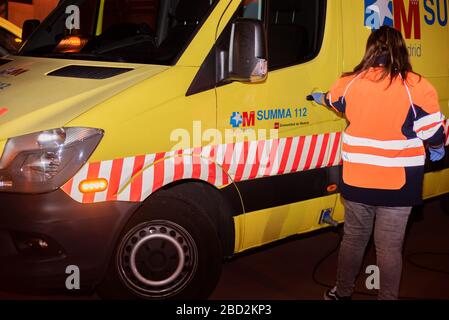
x,y
84,56
127,42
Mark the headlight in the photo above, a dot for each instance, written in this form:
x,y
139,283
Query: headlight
x,y
43,161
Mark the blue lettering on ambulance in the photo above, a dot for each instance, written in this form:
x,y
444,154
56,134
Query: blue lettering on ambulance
x,y
275,114
442,22
429,10
434,9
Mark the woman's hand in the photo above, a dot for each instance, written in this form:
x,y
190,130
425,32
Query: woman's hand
x,y
318,97
436,153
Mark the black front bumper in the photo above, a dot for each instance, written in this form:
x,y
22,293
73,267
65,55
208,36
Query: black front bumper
x,y
83,235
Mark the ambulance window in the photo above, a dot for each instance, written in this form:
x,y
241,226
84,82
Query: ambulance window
x,y
207,77
252,9
295,31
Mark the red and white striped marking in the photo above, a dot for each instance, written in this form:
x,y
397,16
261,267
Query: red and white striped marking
x,y
136,178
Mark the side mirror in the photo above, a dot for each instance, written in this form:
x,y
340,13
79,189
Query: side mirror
x,y
247,58
28,28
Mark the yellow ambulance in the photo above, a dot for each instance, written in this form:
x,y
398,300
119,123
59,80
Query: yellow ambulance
x,y
144,141
10,37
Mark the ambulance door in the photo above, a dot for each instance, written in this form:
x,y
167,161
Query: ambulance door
x,y
303,56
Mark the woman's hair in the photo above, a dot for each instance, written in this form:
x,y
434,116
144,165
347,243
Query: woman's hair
x,y
386,47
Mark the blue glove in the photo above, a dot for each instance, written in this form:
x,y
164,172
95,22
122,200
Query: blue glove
x,y
318,97
436,153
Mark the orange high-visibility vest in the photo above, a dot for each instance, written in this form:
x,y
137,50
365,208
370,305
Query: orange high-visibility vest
x,y
388,123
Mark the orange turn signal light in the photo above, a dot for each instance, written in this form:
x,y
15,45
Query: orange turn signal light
x,y
93,185
332,188
3,111
71,44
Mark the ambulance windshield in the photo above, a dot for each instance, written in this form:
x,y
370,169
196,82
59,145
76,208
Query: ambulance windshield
x,y
135,31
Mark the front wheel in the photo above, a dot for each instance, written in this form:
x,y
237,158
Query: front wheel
x,y
169,250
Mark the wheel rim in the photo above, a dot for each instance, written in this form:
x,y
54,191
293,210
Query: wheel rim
x,y
157,259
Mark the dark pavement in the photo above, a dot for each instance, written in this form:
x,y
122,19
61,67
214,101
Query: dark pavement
x,y
285,270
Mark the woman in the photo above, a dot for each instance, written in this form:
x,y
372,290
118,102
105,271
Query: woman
x,y
393,113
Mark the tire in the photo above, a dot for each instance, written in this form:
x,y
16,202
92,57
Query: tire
x,y
169,250
218,209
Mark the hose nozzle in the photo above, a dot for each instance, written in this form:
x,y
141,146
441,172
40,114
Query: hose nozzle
x,y
326,218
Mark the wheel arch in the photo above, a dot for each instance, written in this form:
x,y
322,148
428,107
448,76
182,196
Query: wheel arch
x,y
217,205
